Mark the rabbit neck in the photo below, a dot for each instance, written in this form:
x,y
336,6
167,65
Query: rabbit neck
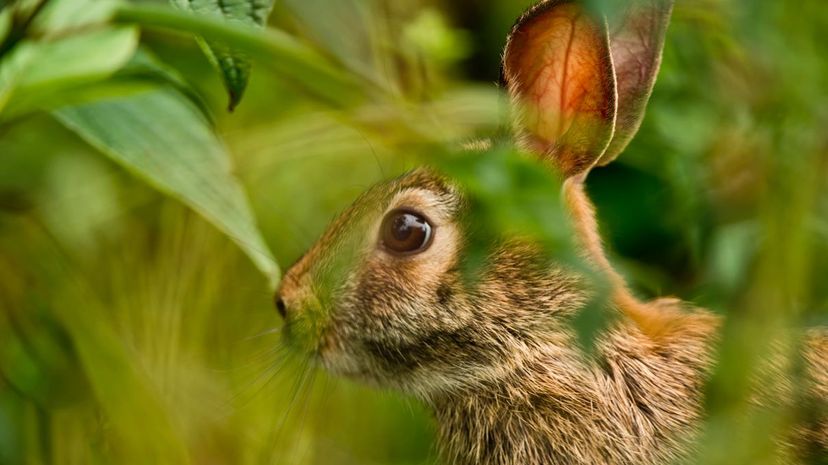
x,y
629,404
652,319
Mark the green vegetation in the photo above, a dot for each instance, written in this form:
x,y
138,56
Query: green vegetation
x,y
141,224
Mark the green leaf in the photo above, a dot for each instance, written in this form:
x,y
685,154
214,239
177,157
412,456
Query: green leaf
x,y
62,17
35,72
234,64
164,138
5,22
280,52
143,72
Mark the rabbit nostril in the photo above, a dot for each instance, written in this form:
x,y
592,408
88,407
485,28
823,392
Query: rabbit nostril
x,y
281,307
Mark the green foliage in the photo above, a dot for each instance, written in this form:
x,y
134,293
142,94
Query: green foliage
x,y
513,196
37,72
163,138
510,195
234,66
135,331
70,59
282,53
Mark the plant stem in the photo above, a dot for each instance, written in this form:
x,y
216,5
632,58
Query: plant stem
x,y
273,48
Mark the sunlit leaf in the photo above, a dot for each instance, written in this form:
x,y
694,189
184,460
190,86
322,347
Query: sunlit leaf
x,y
34,72
62,17
165,139
143,72
234,64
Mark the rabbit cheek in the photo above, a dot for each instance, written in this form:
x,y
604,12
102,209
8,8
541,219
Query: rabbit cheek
x,y
417,333
439,359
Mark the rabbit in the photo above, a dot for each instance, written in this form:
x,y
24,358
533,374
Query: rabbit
x,y
381,297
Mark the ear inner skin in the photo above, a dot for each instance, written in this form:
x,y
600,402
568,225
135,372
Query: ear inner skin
x,y
579,91
636,42
558,70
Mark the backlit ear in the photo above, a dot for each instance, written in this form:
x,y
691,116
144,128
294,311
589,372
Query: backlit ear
x,y
636,42
559,73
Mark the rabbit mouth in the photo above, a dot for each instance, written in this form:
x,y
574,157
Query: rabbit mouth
x,y
339,362
354,360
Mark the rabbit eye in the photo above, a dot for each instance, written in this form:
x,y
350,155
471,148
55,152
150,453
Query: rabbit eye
x,y
405,232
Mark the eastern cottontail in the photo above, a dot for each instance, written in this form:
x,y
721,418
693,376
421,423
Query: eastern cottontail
x,y
381,296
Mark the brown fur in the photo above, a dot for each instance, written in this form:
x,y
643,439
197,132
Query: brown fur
x,y
497,357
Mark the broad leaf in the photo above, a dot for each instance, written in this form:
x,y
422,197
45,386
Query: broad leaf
x,y
34,72
62,17
142,73
164,138
234,65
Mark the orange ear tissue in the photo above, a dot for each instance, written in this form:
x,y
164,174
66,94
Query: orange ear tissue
x,y
559,72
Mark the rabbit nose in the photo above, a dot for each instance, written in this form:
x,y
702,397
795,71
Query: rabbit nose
x,y
280,306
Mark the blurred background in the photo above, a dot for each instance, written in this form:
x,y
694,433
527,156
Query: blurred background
x,y
132,331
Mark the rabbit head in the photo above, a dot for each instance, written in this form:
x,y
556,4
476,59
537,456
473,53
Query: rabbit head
x,y
381,296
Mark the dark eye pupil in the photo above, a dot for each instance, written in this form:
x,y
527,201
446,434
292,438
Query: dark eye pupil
x,y
405,232
402,227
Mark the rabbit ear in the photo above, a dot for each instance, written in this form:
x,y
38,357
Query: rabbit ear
x,y
559,73
636,42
